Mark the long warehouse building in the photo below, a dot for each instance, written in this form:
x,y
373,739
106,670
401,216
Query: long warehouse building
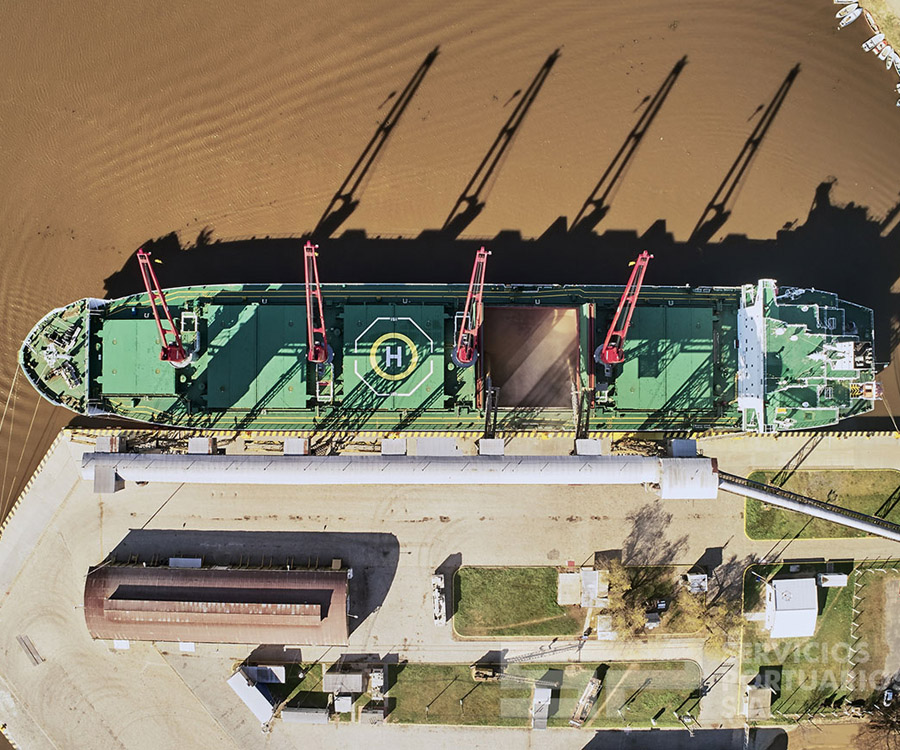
x,y
217,605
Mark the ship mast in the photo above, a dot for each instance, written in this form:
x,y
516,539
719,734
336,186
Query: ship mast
x,y
319,350
612,351
463,354
172,351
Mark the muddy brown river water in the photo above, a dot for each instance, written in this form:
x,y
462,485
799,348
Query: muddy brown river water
x,y
125,123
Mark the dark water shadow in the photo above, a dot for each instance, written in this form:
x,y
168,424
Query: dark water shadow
x,y
372,556
598,203
719,208
472,199
346,199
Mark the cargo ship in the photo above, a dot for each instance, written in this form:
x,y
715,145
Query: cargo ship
x,y
481,358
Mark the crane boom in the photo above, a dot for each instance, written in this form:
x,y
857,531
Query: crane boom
x,y
171,351
463,354
612,351
319,351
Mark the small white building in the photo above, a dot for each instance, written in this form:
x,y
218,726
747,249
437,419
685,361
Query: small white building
x,y
594,588
588,588
255,699
540,706
792,605
568,589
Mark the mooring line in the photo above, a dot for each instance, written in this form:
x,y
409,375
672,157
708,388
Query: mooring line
x,y
9,495
14,387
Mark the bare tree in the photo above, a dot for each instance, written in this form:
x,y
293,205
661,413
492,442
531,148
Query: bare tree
x,y
882,732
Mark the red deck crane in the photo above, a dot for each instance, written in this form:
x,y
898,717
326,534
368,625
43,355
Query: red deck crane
x,y
463,354
611,353
172,351
319,351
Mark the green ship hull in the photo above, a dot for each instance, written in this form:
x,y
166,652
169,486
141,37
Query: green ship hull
x,y
752,358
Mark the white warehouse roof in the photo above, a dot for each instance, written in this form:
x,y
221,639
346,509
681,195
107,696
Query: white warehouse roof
x,y
792,605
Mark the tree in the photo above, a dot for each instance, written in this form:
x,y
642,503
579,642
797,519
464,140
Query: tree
x,y
687,613
882,732
627,612
723,619
715,619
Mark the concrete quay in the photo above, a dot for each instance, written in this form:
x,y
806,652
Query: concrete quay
x,y
84,694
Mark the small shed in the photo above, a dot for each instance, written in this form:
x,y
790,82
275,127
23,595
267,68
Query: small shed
x,y
792,605
832,580
376,683
540,706
343,704
568,589
344,682
255,699
697,583
303,715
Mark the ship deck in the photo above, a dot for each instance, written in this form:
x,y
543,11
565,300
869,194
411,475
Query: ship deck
x,y
801,361
391,369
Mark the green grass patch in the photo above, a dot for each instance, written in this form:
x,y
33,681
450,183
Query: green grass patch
x,y
812,670
431,694
633,693
502,602
870,492
305,692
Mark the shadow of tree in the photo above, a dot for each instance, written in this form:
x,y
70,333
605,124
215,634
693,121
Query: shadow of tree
x,y
646,543
727,580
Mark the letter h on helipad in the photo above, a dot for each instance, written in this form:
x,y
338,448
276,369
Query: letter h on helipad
x,y
395,356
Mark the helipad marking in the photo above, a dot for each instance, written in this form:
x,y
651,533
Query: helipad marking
x,y
373,360
393,393
386,317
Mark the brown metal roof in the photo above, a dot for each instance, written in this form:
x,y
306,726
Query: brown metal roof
x,y
216,605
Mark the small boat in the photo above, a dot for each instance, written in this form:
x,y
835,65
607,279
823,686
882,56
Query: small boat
x,y
844,2
870,19
848,19
886,51
846,10
869,45
890,60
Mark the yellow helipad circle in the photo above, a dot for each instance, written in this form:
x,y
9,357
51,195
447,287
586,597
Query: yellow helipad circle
x,y
373,360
